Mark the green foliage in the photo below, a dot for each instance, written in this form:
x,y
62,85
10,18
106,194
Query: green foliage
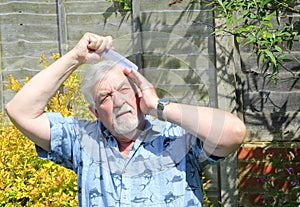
x,y
259,23
256,23
206,201
27,180
122,5
283,169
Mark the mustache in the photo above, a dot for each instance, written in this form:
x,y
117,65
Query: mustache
x,y
124,109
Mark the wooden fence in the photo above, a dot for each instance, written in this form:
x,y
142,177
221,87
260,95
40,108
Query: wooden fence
x,y
174,49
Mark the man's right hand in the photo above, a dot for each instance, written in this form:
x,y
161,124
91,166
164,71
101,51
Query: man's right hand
x,y
148,98
90,47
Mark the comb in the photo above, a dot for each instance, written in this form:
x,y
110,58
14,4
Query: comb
x,y
119,59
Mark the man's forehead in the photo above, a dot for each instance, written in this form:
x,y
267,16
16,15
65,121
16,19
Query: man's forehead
x,y
116,73
113,79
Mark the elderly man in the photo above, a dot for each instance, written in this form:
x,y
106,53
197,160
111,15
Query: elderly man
x,y
141,151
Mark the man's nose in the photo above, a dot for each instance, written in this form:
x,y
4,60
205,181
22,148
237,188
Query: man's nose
x,y
118,99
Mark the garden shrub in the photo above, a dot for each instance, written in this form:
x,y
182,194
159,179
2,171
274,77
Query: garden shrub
x,y
27,180
284,172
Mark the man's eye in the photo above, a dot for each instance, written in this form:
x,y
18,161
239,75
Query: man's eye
x,y
104,99
124,90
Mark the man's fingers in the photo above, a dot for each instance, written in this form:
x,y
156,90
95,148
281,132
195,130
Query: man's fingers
x,y
134,76
99,43
104,45
94,41
109,40
127,71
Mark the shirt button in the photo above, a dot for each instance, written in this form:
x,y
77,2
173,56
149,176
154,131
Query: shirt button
x,y
124,197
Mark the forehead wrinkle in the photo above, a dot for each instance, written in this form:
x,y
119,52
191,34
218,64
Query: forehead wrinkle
x,y
124,82
101,93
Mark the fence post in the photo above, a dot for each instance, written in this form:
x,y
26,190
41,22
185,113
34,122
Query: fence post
x,y
137,36
226,64
62,27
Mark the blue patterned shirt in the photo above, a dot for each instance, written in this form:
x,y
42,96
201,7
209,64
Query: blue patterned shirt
x,y
163,168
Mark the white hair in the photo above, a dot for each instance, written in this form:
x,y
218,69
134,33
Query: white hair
x,y
92,76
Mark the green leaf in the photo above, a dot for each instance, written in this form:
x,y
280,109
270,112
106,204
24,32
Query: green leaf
x,y
252,38
262,58
266,23
275,80
222,5
279,49
292,155
269,17
253,16
238,38
287,60
271,56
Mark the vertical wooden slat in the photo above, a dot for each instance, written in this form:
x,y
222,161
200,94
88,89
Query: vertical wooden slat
x,y
62,27
137,36
212,49
226,75
214,103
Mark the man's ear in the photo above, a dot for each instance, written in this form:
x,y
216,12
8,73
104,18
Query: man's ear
x,y
94,111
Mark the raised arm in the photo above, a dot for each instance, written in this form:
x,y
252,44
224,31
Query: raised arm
x,y
221,132
26,109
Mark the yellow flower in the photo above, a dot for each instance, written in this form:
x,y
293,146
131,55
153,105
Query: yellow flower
x,y
55,56
14,85
43,59
264,35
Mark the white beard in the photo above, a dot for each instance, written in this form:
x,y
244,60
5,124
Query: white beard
x,y
126,123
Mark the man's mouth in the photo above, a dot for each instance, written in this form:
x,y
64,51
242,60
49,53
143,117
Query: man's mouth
x,y
124,110
123,113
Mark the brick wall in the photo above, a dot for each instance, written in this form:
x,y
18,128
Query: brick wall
x,y
269,162
269,173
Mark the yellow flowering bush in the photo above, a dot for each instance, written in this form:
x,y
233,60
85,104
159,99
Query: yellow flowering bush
x,y
27,180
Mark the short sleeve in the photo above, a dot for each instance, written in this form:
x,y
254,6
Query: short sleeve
x,y
63,133
202,155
